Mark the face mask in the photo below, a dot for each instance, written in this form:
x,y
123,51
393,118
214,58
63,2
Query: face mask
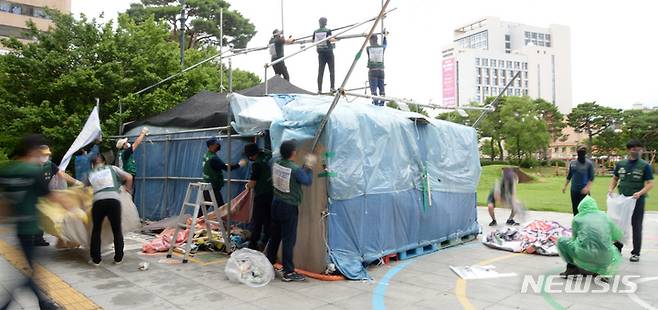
x,y
44,159
636,155
581,156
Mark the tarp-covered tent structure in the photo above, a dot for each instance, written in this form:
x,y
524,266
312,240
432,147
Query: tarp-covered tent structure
x,y
170,157
394,184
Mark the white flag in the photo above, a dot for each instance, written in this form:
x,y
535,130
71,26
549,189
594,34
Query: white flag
x,y
90,132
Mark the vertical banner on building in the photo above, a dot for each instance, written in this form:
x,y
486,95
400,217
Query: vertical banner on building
x,y
449,82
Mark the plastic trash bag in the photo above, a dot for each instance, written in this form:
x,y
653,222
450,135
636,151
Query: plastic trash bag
x,y
249,267
620,211
591,245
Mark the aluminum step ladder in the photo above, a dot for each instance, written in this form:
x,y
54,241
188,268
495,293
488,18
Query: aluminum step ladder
x,y
199,203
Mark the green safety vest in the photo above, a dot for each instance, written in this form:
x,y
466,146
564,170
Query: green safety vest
x,y
104,179
319,35
375,57
264,182
210,175
631,180
129,164
286,188
46,170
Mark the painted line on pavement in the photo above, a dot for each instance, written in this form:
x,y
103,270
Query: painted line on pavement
x,y
52,285
461,284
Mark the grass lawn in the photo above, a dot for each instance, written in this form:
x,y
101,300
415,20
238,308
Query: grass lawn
x,y
545,193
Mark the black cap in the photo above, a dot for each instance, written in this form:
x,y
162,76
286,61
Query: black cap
x,y
212,141
634,143
287,147
251,149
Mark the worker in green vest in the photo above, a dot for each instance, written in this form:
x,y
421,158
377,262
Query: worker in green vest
x,y
213,168
126,158
21,186
260,180
633,177
376,68
287,180
275,47
325,54
106,182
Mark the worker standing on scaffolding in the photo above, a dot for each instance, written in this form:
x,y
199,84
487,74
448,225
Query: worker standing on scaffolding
x,y
276,51
376,68
325,53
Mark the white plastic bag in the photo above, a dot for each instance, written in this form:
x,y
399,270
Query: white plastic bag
x,y
249,267
620,211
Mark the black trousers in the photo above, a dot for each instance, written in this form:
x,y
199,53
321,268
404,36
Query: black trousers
x,y
27,246
576,198
326,58
636,223
218,198
261,220
110,208
284,230
281,69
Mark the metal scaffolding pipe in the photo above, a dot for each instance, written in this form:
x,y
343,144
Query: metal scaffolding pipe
x,y
405,101
347,77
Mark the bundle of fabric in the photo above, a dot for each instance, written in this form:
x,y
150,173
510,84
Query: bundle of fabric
x,y
70,219
537,237
241,207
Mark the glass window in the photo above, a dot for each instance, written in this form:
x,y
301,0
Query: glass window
x,y
509,64
533,35
479,89
40,12
540,36
503,82
477,61
485,62
556,150
479,71
478,80
16,8
493,62
525,92
486,90
511,73
548,37
527,42
517,92
518,82
548,43
507,37
525,66
501,63
495,81
527,34
540,43
526,84
508,45
564,149
517,65
5,6
486,81
509,91
525,74
486,72
477,41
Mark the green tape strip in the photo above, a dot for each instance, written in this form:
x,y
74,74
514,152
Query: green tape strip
x,y
547,296
329,154
327,174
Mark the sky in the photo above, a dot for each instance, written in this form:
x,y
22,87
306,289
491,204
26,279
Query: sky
x,y
613,51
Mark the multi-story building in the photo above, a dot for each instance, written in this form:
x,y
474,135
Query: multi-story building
x,y
14,15
486,54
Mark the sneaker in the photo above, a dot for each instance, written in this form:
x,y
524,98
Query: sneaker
x,y
119,262
635,258
571,271
293,277
91,262
512,222
493,223
332,90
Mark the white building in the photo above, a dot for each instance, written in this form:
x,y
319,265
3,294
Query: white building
x,y
486,54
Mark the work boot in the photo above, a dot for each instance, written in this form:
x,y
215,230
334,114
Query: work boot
x,y
493,223
635,258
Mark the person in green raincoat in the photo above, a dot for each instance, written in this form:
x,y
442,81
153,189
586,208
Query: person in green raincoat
x,y
590,250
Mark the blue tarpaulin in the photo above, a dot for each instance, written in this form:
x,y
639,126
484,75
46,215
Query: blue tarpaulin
x,y
378,199
167,163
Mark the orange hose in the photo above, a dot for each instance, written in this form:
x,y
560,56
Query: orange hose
x,y
317,276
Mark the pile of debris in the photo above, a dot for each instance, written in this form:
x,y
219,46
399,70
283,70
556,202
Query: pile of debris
x,y
537,237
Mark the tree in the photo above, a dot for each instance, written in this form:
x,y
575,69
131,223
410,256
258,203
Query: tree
x,y
418,109
524,130
637,124
592,119
609,142
203,21
48,86
550,113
